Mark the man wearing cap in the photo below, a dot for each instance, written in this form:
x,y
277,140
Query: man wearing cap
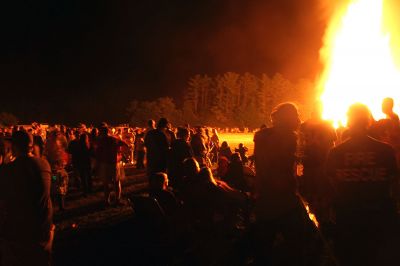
x,y
363,176
25,193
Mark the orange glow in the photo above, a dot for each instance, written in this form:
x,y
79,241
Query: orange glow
x,y
359,63
312,216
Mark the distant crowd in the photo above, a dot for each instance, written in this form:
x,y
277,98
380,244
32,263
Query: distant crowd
x,y
347,178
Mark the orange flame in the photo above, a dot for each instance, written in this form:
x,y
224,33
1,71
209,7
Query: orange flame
x,y
359,63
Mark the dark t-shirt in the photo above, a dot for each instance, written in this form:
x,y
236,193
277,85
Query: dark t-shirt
x,y
362,171
25,190
157,146
84,155
226,152
235,177
166,199
180,150
107,149
275,154
73,149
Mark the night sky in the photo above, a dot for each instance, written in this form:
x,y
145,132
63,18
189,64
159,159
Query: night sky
x,y
70,61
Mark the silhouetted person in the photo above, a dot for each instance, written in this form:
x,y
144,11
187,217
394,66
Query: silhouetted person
x,y
59,186
180,150
393,126
225,150
140,151
38,146
157,146
214,142
55,150
151,124
242,150
278,209
106,159
364,177
73,150
235,174
199,143
25,191
83,163
158,190
387,109
170,134
203,197
317,137
191,169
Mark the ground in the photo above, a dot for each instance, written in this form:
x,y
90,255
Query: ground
x,y
87,233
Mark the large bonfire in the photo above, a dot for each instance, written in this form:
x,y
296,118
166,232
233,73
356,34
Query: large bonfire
x,y
358,59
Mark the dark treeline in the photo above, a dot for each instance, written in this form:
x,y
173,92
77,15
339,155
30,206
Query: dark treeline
x,y
7,119
228,100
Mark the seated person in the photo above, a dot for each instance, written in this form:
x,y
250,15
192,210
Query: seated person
x,y
223,164
242,150
200,195
225,150
235,174
158,190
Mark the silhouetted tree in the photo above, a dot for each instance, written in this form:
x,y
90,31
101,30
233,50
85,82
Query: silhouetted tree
x,y
7,119
140,111
231,100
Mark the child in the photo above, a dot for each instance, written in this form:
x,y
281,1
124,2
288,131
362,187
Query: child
x,y
59,185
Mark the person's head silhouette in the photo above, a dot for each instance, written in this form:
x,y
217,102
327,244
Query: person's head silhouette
x,y
387,105
358,117
22,143
285,115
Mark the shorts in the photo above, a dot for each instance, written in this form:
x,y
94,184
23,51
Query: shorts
x,y
107,171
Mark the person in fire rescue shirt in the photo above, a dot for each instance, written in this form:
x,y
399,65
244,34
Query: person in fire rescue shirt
x,y
363,176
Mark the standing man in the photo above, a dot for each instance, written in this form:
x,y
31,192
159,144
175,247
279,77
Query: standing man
x,y
106,158
387,109
25,192
363,174
157,146
278,209
393,126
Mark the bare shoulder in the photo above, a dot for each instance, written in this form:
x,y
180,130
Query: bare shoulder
x,y
43,164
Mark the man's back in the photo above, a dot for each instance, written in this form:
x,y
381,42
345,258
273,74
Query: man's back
x,y
274,151
157,150
73,149
25,190
107,149
362,171
156,141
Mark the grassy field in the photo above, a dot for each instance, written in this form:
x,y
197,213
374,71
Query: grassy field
x,y
234,139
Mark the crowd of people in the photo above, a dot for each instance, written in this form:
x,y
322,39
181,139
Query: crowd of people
x,y
347,177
